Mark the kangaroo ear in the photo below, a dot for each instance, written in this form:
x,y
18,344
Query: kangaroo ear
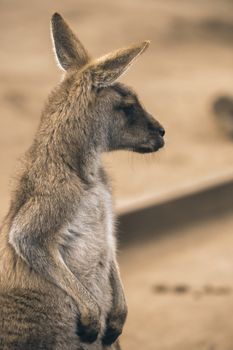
x,y
110,67
69,51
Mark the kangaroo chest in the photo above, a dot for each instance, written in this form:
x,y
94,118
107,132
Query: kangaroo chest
x,y
87,242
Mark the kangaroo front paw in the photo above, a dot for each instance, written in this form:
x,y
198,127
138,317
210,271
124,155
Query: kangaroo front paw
x,y
114,326
111,336
88,326
87,334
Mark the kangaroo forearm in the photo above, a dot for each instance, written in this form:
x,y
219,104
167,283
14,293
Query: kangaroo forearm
x,y
48,263
118,312
118,301
46,260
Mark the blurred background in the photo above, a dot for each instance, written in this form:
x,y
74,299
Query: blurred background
x,y
175,208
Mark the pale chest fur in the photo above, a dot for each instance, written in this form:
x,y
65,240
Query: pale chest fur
x,y
87,242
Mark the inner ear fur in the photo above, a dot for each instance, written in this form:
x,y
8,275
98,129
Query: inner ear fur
x,y
110,67
69,50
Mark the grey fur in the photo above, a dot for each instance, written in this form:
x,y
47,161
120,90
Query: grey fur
x,y
59,281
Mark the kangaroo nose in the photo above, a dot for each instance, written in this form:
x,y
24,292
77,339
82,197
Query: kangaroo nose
x,y
161,131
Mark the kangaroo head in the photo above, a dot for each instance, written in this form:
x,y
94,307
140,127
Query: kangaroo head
x,y
106,113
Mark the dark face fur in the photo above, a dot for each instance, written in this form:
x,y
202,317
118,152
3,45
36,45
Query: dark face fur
x,y
130,126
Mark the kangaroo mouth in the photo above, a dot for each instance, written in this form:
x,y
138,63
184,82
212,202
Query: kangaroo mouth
x,y
145,148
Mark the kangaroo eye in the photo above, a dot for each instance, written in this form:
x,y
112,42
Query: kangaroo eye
x,y
128,110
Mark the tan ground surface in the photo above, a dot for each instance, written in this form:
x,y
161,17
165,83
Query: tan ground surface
x,y
180,290
188,64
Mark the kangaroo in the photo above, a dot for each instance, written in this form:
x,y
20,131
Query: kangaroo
x,y
60,286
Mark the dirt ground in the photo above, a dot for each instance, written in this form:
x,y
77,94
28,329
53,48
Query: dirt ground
x,y
179,289
188,64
